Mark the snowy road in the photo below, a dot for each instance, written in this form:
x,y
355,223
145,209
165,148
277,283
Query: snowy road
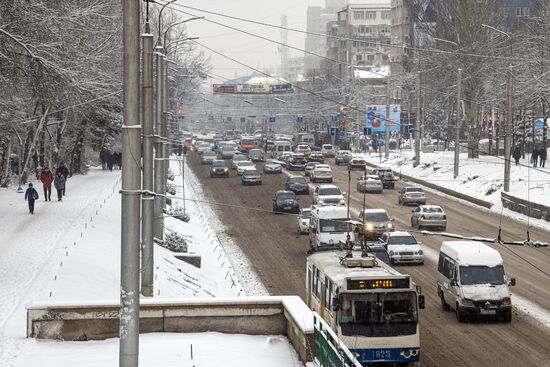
x,y
31,244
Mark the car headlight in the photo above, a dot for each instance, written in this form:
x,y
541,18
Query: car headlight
x,y
468,303
391,253
390,225
369,227
225,169
420,252
320,200
342,202
506,301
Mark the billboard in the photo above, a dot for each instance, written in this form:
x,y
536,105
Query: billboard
x,y
376,118
252,88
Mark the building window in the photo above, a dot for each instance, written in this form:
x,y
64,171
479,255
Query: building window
x,y
358,15
370,15
370,57
503,12
522,11
385,29
385,15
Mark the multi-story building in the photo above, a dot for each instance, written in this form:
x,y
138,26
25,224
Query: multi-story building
x,y
367,29
514,13
313,41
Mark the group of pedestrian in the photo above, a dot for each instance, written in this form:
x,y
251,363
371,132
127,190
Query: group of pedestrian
x,y
59,181
538,156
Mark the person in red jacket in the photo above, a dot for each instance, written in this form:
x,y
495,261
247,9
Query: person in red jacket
x,y
47,178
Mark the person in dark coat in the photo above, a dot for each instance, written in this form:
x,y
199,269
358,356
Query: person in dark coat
x,y
542,156
31,195
64,171
47,179
59,183
516,154
535,157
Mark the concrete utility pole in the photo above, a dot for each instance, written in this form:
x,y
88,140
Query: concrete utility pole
x,y
508,132
164,130
147,202
131,186
418,119
457,122
388,120
159,151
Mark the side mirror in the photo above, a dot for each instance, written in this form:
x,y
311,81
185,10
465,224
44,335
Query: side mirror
x,y
421,301
512,282
454,283
344,193
335,304
392,219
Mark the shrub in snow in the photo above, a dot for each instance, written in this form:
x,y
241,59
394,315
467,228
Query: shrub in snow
x,y
174,242
170,175
492,189
171,188
178,213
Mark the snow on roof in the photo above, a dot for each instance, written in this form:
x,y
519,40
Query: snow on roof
x,y
471,253
375,210
399,233
373,73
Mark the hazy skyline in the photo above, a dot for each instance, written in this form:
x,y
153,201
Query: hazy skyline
x,y
250,50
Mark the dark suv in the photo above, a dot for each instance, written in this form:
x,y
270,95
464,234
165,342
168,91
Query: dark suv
x,y
285,202
219,169
297,184
386,176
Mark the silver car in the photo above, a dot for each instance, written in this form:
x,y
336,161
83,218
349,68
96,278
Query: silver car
x,y
251,177
309,168
429,216
271,166
303,220
208,157
236,159
411,195
369,183
376,222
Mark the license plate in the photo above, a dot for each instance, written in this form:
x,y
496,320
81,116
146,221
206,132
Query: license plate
x,y
288,207
487,312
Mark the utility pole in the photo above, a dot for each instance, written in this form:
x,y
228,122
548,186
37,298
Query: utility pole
x,y
457,122
131,186
418,119
147,201
164,129
508,132
159,105
388,120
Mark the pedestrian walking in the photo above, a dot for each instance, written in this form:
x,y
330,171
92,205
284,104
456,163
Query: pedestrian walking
x,y
542,156
47,179
516,154
185,150
59,183
534,157
64,171
31,195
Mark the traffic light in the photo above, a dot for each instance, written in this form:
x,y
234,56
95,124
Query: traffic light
x,y
342,110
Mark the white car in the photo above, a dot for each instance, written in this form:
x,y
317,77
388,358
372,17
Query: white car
x,y
402,247
327,150
303,149
328,195
321,172
369,183
244,165
303,220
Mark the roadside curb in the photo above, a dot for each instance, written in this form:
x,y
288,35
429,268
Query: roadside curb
x,y
444,190
522,206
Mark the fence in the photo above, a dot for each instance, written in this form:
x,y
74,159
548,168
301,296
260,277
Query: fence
x,y
328,350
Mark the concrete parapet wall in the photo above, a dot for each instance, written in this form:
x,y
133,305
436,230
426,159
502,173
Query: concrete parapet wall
x,y
533,210
254,316
442,189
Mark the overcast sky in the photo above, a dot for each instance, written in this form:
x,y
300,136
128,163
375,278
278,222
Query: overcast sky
x,y
245,48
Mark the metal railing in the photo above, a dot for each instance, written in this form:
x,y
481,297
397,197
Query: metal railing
x,y
328,350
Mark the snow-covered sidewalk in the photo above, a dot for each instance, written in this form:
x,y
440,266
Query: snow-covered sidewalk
x,y
70,251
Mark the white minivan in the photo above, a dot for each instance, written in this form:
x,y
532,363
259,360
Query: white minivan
x,y
472,282
281,147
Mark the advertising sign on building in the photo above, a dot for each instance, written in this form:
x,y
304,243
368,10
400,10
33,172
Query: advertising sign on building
x,y
376,118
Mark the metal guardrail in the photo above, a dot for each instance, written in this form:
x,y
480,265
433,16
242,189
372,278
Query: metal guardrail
x,y
328,350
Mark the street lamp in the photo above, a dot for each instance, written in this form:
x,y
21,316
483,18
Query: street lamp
x,y
178,23
509,117
160,18
173,43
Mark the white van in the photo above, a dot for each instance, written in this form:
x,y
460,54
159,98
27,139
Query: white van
x,y
280,147
328,225
472,282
